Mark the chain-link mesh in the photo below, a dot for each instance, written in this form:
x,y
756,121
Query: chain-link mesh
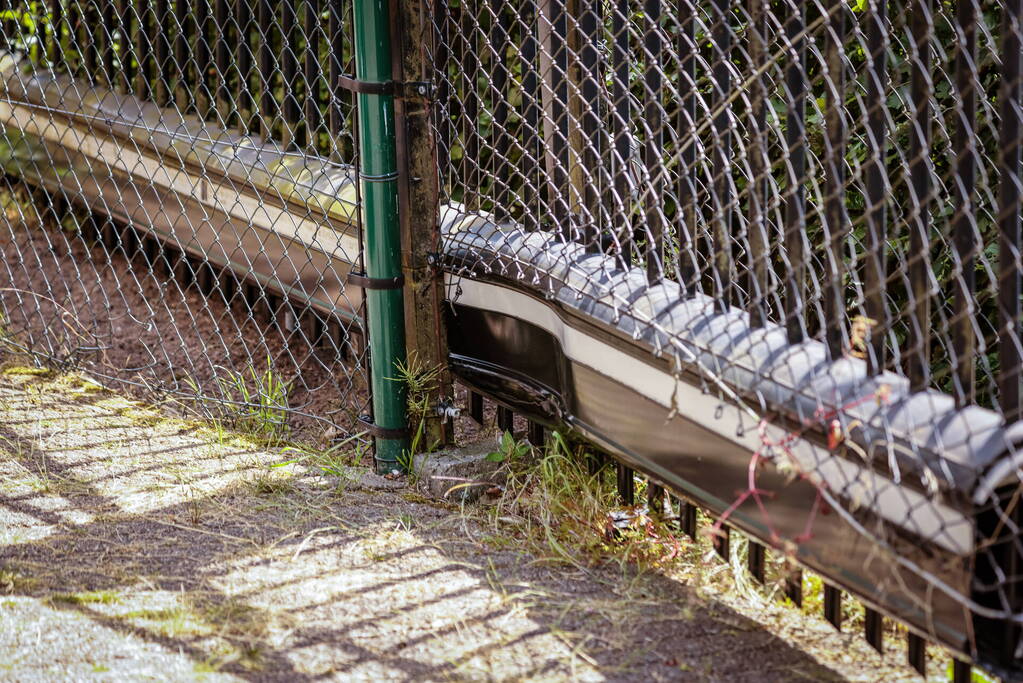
x,y
180,203
813,210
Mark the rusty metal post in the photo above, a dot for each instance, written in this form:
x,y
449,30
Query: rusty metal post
x,y
419,191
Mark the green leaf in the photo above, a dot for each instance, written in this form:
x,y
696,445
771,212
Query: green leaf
x,y
495,457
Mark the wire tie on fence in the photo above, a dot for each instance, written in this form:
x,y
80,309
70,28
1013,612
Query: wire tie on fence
x,y
366,282
382,178
403,89
382,432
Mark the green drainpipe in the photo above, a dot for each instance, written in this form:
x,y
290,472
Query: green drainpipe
x,y
385,307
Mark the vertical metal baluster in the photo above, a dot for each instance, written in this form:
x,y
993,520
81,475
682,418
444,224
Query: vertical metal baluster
x,y
559,113
652,45
267,112
758,243
108,28
918,363
536,434
311,74
795,197
834,182
35,39
125,67
961,671
144,27
501,170
875,269
163,70
687,518
56,52
339,97
182,16
589,58
442,41
1009,283
621,121
69,49
471,108
88,38
532,141
292,112
721,164
225,105
351,127
794,587
476,407
756,561
506,420
244,59
833,605
686,129
963,235
722,542
203,58
916,653
626,480
5,28
873,628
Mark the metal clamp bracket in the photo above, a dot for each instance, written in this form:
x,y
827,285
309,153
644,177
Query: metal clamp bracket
x,y
406,89
366,282
366,422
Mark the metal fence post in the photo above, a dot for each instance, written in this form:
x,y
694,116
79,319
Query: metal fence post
x,y
379,181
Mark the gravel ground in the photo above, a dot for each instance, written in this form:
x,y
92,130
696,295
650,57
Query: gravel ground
x,y
134,546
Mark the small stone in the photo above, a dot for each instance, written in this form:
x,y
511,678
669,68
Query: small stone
x,y
460,474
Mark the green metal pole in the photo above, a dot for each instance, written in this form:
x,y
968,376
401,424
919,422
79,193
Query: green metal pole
x,y
379,179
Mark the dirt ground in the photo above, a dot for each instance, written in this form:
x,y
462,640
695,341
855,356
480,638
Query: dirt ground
x,y
161,326
138,546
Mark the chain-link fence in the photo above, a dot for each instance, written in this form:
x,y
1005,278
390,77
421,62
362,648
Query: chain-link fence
x,y
181,203
810,213
837,168
765,251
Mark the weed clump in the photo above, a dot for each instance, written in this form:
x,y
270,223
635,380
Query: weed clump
x,y
258,402
564,513
420,382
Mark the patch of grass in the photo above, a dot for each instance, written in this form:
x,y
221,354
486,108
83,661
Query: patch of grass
x,y
170,622
341,459
235,618
208,666
139,416
269,483
87,598
12,581
413,496
420,382
25,371
258,402
555,508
